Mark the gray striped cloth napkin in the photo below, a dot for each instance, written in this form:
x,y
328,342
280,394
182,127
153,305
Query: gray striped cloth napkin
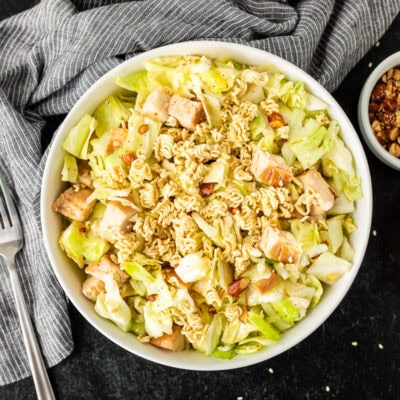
x,y
51,54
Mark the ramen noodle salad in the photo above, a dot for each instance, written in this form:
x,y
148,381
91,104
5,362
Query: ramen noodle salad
x,y
209,203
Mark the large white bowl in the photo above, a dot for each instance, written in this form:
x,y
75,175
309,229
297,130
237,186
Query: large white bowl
x,y
69,275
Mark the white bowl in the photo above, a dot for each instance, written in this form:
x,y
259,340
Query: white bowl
x,y
69,275
363,119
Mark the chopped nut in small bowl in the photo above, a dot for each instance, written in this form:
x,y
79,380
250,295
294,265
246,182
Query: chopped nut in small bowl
x,y
379,111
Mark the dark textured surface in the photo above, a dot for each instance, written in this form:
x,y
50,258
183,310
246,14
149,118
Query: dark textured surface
x,y
98,369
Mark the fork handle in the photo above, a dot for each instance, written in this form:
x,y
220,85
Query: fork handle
x,y
41,379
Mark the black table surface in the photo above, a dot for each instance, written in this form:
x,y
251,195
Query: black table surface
x,y
355,354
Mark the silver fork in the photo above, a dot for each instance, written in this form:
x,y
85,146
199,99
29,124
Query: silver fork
x,y
11,241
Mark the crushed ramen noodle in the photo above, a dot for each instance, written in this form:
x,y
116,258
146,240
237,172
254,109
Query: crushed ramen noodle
x,y
210,203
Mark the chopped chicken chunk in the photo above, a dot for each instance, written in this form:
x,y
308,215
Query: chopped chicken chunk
x,y
115,219
174,342
270,169
312,179
92,287
106,266
156,105
84,176
188,112
74,204
117,139
280,245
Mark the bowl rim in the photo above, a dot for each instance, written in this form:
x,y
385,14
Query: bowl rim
x,y
238,361
363,118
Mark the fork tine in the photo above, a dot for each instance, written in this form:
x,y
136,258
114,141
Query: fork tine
x,y
12,215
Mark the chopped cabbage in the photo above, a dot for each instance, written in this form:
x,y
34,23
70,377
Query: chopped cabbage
x,y
307,234
335,233
214,233
254,94
286,311
110,305
328,268
214,332
291,94
77,139
217,173
259,127
273,318
346,251
263,326
342,205
78,246
110,114
193,267
163,299
254,296
137,82
224,354
230,331
215,81
157,322
338,163
69,172
146,141
137,272
309,143
313,282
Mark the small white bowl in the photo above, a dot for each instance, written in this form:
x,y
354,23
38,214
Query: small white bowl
x,y
363,119
69,275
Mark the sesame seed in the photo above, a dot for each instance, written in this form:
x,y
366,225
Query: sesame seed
x,y
380,345
270,370
239,398
355,344
377,44
370,65
328,389
374,232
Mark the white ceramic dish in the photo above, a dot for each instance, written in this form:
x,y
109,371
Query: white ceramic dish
x,y
69,275
363,120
